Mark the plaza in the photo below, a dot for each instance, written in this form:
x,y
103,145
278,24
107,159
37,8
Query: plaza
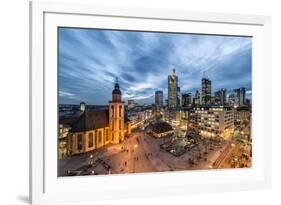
x,y
142,153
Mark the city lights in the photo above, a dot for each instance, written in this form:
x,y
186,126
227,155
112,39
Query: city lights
x,y
150,113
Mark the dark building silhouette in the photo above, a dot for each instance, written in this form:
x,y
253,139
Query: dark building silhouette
x,y
206,91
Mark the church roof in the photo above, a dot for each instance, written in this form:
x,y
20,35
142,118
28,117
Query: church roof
x,y
161,127
91,120
69,121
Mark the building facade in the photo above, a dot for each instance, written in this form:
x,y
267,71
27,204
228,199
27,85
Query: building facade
x,y
98,127
131,104
212,121
116,116
231,99
179,97
187,99
206,91
240,99
220,97
172,89
197,98
242,114
159,98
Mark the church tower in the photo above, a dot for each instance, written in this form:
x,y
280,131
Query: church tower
x,y
116,116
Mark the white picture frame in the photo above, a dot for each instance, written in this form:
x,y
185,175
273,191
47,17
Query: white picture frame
x,y
46,187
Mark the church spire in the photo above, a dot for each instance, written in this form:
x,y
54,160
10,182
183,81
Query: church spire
x,y
116,93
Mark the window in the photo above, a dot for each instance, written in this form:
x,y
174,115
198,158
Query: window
x,y
90,140
100,137
106,134
120,111
79,142
120,127
112,136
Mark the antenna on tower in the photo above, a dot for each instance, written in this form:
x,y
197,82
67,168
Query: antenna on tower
x,y
116,79
204,74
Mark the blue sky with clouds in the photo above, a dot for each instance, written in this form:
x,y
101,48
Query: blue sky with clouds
x,y
90,60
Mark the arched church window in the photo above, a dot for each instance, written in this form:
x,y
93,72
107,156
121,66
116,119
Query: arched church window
x,y
120,111
106,135
100,137
112,137
90,140
79,142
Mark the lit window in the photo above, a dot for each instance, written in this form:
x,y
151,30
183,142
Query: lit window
x,y
100,137
120,111
90,140
106,134
79,142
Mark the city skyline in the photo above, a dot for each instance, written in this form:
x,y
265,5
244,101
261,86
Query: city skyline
x,y
142,62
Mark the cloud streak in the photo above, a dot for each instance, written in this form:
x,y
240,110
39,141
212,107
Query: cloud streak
x,y
90,59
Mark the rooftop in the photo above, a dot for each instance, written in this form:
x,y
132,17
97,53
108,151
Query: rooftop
x,y
91,120
161,127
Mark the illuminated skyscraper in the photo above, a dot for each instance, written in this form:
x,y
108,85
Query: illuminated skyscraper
x,y
172,89
220,97
206,91
179,96
231,99
197,98
187,99
240,96
159,98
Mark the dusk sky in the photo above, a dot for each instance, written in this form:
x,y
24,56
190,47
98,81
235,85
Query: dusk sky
x,y
90,60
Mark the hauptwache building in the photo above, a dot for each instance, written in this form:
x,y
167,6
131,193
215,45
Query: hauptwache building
x,y
96,128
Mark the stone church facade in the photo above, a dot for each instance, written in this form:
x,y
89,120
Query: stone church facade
x,y
96,128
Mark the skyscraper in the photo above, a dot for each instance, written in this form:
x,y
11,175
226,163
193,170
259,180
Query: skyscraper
x,y
172,89
220,97
166,102
206,91
187,99
197,98
240,96
231,99
159,98
179,96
